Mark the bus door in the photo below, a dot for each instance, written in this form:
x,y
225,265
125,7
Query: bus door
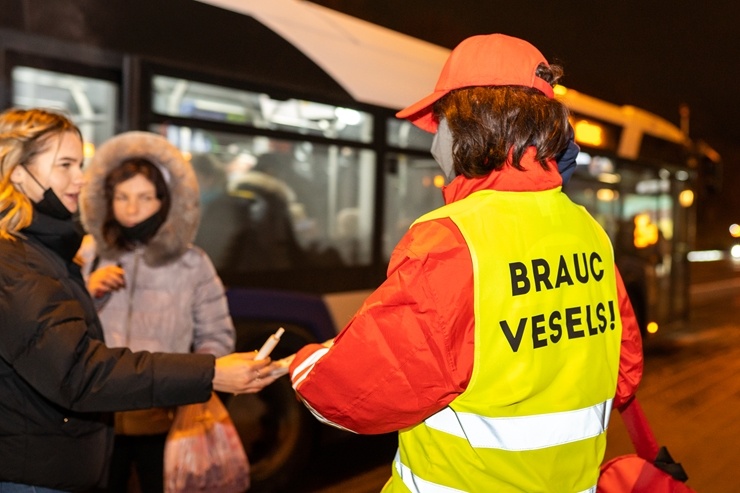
x,y
638,206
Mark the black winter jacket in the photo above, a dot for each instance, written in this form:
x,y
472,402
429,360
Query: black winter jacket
x,y
58,381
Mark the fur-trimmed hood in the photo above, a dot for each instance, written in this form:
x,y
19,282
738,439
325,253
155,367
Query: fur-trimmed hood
x,y
179,228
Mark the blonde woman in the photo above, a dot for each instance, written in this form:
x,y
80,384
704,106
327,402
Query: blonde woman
x,y
58,381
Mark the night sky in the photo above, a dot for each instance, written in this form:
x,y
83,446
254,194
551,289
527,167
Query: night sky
x,y
652,54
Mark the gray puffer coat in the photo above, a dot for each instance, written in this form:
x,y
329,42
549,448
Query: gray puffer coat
x,y
173,300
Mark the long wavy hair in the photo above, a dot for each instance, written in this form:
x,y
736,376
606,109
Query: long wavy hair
x,y
24,134
490,123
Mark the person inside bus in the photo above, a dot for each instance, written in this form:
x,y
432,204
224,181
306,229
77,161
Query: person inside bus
x,y
219,221
155,290
503,336
58,380
241,163
249,227
211,175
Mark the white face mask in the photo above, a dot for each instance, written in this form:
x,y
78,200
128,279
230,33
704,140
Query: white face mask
x,y
442,149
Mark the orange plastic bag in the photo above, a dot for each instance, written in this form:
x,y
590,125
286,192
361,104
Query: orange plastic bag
x,y
203,451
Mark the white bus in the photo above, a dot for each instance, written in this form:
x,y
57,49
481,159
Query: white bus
x,y
286,109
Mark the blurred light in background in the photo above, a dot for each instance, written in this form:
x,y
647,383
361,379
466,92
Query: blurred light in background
x,y
588,133
645,232
88,150
609,178
705,256
606,194
686,198
735,252
348,116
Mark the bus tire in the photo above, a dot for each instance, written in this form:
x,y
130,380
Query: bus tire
x,y
277,431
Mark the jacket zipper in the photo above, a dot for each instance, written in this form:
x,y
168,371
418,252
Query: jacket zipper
x,y
130,310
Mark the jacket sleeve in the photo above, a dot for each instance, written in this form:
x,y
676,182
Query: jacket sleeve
x,y
213,329
408,351
45,339
630,356
86,256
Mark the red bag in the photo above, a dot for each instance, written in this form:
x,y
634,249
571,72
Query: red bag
x,y
651,470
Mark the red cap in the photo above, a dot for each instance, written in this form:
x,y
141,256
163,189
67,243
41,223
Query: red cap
x,y
484,60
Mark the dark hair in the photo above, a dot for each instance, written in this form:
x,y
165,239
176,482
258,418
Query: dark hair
x,y
488,122
112,229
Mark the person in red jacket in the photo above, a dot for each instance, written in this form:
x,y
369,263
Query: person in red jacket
x,y
503,335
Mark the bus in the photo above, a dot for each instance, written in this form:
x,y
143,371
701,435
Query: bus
x,y
307,179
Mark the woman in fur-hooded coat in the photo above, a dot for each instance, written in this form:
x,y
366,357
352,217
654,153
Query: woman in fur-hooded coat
x,y
165,295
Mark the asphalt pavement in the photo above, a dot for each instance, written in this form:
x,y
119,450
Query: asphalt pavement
x,y
690,392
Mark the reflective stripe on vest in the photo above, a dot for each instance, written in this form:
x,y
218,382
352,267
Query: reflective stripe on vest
x,y
524,432
417,485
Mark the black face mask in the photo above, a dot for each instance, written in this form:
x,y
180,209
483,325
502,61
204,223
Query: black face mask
x,y
63,236
52,206
50,203
145,230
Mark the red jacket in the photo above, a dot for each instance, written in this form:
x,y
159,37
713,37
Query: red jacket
x,y
408,351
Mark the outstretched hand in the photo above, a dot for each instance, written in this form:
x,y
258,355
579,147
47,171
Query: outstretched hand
x,y
239,373
105,279
280,367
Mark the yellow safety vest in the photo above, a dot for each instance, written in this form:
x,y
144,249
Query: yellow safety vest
x,y
547,341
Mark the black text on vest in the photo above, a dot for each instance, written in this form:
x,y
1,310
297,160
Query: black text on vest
x,y
580,267
568,324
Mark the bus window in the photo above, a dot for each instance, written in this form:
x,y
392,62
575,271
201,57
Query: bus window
x,y
185,98
270,204
636,206
405,135
89,102
594,133
412,188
